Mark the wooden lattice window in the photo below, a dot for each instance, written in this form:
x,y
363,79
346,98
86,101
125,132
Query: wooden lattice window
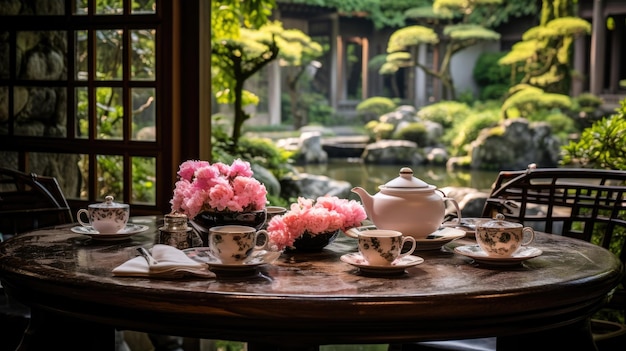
x,y
83,87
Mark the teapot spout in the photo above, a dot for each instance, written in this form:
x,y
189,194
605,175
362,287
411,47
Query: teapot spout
x,y
366,199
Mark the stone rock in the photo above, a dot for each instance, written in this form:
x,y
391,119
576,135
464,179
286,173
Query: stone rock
x,y
10,7
408,110
312,186
289,144
46,66
397,117
436,155
393,152
514,145
33,128
4,104
50,7
434,131
311,150
267,178
27,40
147,133
4,54
41,105
471,201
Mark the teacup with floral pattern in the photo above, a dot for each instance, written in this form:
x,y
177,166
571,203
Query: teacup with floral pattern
x,y
381,247
107,217
501,238
233,244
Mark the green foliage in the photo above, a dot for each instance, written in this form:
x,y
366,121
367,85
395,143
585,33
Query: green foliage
x,y
415,132
561,124
314,105
492,79
528,100
404,38
379,130
383,13
544,54
426,12
506,11
441,26
239,49
395,13
444,112
588,102
319,109
110,169
494,92
466,130
603,145
143,173
376,106
470,32
255,150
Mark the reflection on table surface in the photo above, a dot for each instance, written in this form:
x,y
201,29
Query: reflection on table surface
x,y
316,297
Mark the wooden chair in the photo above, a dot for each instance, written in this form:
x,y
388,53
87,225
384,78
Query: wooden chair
x,y
27,202
587,204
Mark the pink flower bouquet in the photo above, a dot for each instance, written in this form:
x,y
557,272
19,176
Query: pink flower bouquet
x,y
323,215
217,187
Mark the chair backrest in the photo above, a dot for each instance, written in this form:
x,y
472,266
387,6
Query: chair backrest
x,y
30,201
587,204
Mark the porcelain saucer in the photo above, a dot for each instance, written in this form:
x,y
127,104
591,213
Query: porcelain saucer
x,y
469,225
130,229
257,258
439,238
434,241
476,253
397,267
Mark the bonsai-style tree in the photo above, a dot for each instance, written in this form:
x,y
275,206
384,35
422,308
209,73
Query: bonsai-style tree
x,y
238,52
544,56
448,22
236,58
240,59
297,53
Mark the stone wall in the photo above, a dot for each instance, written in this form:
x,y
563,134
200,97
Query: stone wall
x,y
39,109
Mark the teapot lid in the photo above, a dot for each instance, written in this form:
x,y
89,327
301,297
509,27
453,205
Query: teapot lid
x,y
108,203
499,222
407,180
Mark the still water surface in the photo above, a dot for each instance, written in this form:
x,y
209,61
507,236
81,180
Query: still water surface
x,y
370,176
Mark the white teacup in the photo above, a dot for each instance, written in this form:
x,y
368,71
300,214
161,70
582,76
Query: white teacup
x,y
232,244
380,247
107,217
500,238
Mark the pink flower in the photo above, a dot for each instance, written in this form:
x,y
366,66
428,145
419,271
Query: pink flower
x,y
218,187
325,214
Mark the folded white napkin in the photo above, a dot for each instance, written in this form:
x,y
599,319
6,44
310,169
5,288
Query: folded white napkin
x,y
172,263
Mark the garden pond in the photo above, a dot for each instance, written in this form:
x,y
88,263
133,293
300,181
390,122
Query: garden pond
x,y
370,176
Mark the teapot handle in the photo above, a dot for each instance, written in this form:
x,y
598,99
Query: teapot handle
x,y
458,213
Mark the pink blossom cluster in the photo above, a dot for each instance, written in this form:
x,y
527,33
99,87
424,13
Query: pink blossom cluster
x,y
217,187
325,214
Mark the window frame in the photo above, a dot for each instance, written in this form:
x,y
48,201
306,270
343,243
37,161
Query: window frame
x,y
177,138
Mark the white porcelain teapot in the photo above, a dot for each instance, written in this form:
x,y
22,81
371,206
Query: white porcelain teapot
x,y
408,205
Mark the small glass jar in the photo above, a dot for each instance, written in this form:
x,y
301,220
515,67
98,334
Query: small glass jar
x,y
175,231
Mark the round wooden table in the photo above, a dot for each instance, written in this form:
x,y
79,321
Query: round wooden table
x,y
307,299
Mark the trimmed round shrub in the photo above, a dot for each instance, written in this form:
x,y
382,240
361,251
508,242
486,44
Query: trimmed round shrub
x,y
415,132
